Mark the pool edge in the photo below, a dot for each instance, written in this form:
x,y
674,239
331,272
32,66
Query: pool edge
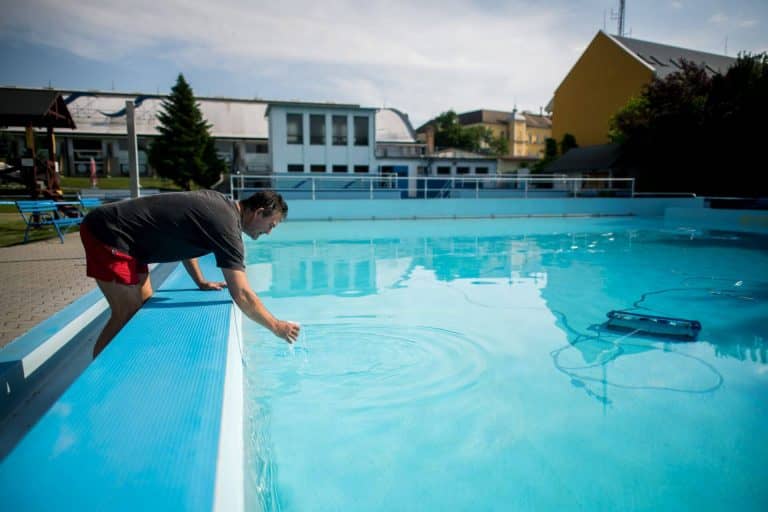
x,y
229,490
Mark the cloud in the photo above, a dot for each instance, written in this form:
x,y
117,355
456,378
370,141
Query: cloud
x,y
718,18
421,57
748,23
386,33
410,55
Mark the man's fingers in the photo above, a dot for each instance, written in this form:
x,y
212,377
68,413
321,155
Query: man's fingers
x,y
213,285
292,332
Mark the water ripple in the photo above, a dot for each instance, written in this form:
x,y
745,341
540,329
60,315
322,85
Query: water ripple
x,y
384,366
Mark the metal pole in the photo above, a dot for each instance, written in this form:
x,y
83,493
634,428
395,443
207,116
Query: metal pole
x,y
133,155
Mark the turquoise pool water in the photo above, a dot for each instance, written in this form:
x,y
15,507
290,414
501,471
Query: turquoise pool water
x,y
464,365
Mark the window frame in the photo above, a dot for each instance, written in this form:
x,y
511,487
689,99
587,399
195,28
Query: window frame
x,y
356,123
298,137
319,138
339,123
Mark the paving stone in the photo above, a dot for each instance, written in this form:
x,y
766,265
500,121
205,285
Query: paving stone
x,y
39,279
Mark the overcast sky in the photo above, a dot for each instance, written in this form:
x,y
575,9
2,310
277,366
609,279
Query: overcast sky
x,y
422,57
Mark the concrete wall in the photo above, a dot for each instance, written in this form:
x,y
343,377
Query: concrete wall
x,y
449,208
755,221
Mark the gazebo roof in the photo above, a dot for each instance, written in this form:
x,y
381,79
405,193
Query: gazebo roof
x,y
39,108
589,158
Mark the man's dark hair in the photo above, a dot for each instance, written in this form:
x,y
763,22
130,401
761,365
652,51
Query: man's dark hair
x,y
267,199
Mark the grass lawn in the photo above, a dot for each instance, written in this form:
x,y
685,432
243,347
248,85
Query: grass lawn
x,y
72,184
12,228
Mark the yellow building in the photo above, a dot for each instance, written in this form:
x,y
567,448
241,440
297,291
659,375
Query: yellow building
x,y
524,131
538,128
610,71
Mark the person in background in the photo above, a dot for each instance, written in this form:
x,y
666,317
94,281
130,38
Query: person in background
x,y
122,238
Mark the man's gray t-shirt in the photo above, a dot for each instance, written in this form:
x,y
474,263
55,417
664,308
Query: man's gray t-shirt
x,y
172,227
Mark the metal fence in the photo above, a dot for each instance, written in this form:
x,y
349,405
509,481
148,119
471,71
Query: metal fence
x,y
391,186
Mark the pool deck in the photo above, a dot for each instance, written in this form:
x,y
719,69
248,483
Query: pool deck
x,y
185,421
39,279
154,423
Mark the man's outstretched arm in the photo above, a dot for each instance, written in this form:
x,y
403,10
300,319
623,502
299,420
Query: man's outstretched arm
x,y
250,304
193,269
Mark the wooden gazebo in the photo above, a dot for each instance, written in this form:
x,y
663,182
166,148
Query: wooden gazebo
x,y
44,108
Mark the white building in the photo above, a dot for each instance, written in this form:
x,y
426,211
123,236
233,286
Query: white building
x,y
321,138
274,139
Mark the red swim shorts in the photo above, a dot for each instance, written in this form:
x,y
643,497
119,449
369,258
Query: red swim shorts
x,y
106,263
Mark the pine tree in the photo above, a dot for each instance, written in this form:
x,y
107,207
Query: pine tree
x,y
184,152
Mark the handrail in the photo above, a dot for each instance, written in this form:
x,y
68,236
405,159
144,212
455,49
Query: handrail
x,y
445,189
667,194
374,186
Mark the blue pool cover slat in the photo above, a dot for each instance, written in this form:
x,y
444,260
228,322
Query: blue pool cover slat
x,y
139,429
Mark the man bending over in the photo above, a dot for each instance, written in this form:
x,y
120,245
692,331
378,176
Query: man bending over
x,y
121,238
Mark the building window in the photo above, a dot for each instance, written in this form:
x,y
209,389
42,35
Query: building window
x,y
339,168
361,169
256,147
295,167
388,177
339,130
421,171
294,129
317,168
317,129
361,131
443,170
462,170
481,170
224,149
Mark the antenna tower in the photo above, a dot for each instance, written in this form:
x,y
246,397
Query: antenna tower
x,y
619,16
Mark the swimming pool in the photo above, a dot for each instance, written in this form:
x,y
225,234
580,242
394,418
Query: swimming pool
x,y
465,365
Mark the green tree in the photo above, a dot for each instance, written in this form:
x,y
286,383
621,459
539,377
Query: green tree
x,y
633,116
499,146
551,151
184,152
738,101
449,133
550,148
550,154
568,142
686,130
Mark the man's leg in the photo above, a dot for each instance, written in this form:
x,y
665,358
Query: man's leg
x,y
124,301
145,283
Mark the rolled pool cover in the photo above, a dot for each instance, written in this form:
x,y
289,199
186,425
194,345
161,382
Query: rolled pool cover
x,y
662,326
